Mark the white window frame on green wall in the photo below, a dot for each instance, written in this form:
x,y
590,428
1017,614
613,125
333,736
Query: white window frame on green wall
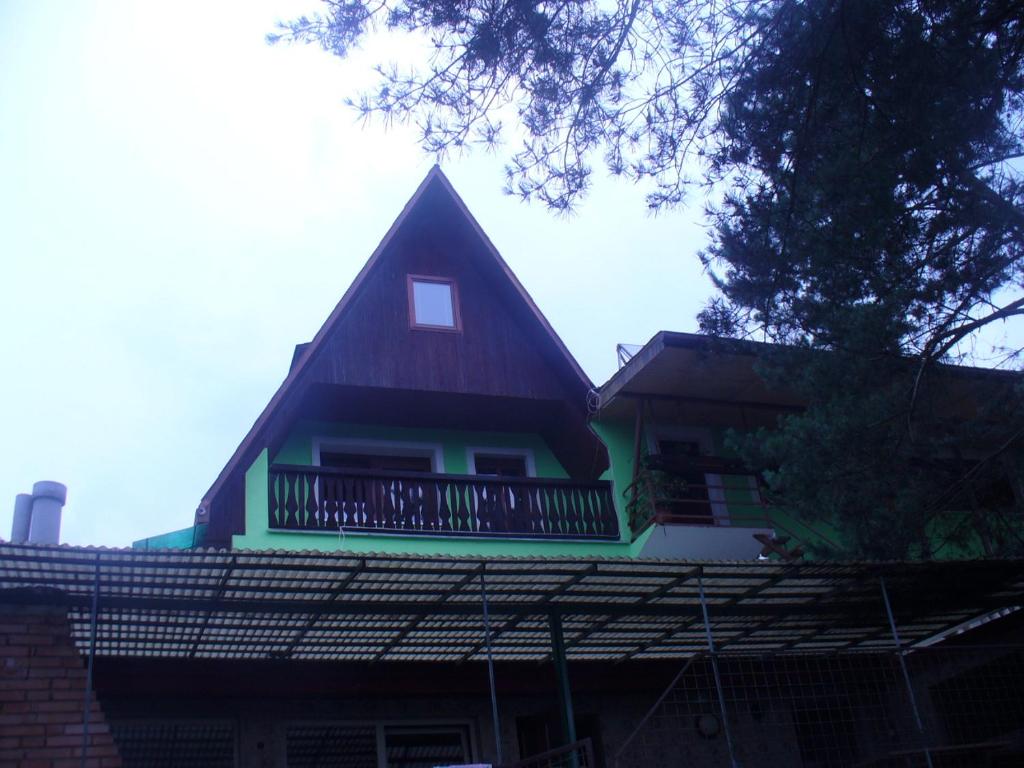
x,y
525,453
434,451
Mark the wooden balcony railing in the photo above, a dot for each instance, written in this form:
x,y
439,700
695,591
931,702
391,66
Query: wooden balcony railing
x,y
371,501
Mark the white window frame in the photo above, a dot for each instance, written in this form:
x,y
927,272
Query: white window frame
x,y
433,451
464,729
525,453
453,287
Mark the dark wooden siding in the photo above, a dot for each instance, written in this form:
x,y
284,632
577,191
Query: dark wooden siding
x,y
499,351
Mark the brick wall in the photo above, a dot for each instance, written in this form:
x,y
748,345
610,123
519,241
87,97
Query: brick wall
x,y
42,690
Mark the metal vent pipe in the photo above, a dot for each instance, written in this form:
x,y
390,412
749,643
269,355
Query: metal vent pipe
x,y
48,500
22,516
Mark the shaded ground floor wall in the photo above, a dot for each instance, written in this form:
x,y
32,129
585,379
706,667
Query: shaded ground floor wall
x,y
803,711
358,716
958,703
963,707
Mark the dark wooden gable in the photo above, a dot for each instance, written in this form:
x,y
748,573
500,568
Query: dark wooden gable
x,y
505,353
501,349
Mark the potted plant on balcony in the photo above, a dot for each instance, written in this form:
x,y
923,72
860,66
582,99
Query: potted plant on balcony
x,y
654,490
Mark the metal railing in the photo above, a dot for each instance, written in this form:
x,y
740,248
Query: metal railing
x,y
736,500
325,499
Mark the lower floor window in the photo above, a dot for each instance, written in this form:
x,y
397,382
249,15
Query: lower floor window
x,y
425,747
175,743
316,745
340,745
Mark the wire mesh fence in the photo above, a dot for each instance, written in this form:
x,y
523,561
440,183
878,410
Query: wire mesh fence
x,y
839,710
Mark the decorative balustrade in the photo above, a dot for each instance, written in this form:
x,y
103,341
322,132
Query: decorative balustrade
x,y
371,501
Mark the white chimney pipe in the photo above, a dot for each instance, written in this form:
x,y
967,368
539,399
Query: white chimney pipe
x,y
47,502
22,517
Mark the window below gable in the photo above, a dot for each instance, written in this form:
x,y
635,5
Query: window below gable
x,y
500,466
501,462
433,303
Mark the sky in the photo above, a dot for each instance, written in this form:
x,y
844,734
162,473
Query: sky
x,y
181,204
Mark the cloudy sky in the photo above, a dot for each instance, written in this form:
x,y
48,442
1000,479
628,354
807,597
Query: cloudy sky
x,y
180,204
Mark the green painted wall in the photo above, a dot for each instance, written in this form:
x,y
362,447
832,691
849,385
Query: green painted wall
x,y
298,449
618,439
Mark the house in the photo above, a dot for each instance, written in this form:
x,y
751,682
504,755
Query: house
x,y
438,412
429,551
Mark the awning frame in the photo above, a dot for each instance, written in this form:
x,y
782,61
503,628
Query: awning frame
x,y
345,606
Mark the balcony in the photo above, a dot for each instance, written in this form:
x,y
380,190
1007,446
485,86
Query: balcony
x,y
712,507
312,499
706,507
695,490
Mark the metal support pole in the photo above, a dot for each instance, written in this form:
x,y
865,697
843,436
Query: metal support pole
x,y
87,705
562,677
906,674
714,668
490,667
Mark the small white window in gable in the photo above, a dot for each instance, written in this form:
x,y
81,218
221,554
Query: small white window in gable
x,y
433,303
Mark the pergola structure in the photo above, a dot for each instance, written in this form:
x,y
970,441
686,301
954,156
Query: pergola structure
x,y
313,606
342,606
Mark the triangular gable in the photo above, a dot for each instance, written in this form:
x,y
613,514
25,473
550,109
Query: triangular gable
x,y
434,190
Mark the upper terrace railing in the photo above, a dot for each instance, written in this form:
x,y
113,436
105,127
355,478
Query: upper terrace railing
x,y
371,501
679,490
708,490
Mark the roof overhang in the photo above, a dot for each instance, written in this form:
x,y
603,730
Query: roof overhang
x,y
695,368
716,371
352,607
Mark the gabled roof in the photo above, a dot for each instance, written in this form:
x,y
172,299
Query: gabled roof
x,y
434,182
